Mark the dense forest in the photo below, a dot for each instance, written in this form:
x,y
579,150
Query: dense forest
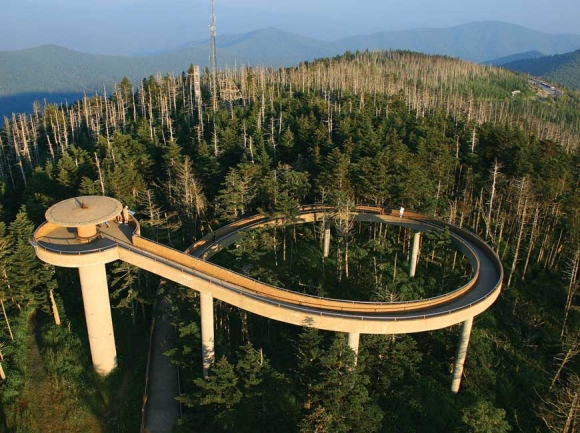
x,y
193,152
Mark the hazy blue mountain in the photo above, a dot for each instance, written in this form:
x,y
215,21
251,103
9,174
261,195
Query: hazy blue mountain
x,y
57,74
276,47
478,41
22,102
271,47
514,58
559,68
50,69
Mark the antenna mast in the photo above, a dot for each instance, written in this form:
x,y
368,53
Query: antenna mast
x,y
213,58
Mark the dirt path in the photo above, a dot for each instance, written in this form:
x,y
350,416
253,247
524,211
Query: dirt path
x,y
162,408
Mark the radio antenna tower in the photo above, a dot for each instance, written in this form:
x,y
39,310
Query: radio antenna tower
x,y
213,58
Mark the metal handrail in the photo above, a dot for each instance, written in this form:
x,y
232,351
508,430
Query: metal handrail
x,y
36,242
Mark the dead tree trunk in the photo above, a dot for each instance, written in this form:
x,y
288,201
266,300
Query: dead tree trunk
x,y
6,318
54,308
572,289
521,210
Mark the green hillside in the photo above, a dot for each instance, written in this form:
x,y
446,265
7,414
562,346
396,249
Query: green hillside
x,y
563,68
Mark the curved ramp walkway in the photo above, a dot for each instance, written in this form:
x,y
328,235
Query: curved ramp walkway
x,y
54,244
287,306
354,316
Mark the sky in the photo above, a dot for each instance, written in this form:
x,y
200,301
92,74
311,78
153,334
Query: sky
x,y
133,27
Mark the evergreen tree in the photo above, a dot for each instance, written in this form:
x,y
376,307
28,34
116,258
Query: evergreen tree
x,y
6,244
218,395
483,417
335,390
265,393
27,277
239,190
187,196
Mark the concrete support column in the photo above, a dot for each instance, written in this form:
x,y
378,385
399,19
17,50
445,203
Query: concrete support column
x,y
461,353
415,253
207,331
98,317
353,341
326,239
87,231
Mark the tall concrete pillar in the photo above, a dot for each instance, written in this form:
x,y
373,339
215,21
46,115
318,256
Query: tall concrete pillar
x,y
353,341
326,239
207,331
415,253
98,317
461,353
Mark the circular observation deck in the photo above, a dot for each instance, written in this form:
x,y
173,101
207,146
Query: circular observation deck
x,y
84,213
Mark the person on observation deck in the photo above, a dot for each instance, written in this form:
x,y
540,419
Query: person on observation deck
x,y
125,215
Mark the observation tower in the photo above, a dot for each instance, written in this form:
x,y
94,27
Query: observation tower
x,y
77,235
73,240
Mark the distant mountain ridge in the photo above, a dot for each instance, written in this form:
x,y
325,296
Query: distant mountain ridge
x,y
52,69
477,41
559,68
275,47
514,58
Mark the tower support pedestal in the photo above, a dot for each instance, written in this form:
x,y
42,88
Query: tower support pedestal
x,y
98,317
326,239
461,354
415,253
353,342
207,331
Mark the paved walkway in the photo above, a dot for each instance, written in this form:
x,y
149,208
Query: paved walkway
x,y
162,410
